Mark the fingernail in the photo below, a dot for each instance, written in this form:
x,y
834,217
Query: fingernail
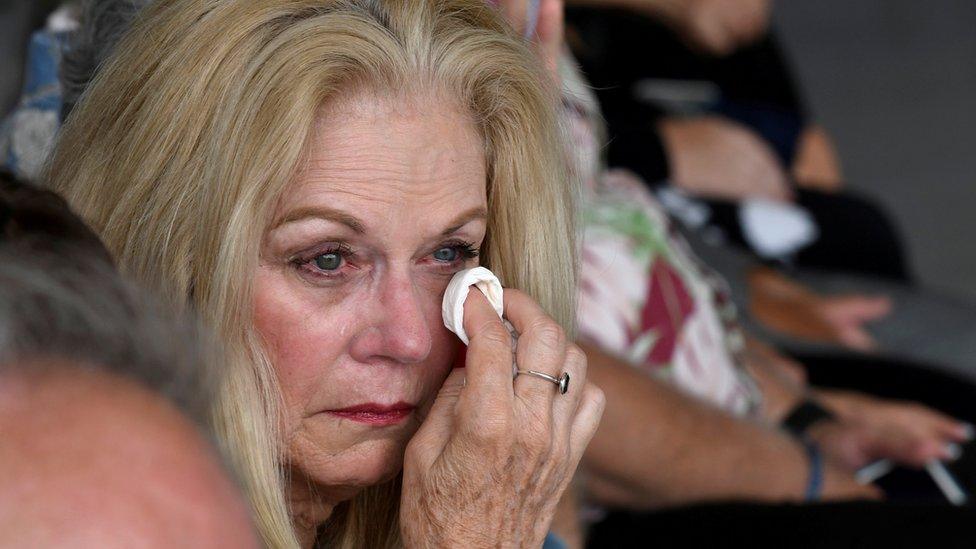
x,y
953,451
967,431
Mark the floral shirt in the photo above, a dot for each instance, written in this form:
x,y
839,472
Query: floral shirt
x,y
644,296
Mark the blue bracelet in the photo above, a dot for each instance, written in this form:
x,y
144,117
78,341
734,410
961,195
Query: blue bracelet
x,y
815,483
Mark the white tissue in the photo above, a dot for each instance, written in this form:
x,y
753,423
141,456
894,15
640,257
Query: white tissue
x,y
452,308
776,229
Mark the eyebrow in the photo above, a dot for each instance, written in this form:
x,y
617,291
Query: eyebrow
x,y
359,227
464,218
328,214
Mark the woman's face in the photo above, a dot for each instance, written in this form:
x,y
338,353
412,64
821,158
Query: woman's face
x,y
391,203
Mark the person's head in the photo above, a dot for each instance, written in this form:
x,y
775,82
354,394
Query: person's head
x,y
101,26
94,459
38,219
103,398
308,175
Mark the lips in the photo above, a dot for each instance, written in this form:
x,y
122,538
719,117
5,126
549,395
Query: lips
x,y
376,414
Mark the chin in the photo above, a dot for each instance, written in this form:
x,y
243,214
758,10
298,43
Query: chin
x,y
367,464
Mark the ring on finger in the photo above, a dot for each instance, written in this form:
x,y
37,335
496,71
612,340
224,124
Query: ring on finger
x,y
561,382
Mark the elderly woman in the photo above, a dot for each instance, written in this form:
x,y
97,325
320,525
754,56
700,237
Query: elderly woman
x,y
308,176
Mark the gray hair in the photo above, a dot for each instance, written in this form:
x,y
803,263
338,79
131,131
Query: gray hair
x,y
62,304
103,22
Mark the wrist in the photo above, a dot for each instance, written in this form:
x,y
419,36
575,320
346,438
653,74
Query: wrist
x,y
842,404
815,474
805,415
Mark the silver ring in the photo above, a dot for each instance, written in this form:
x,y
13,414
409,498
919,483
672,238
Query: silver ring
x,y
562,382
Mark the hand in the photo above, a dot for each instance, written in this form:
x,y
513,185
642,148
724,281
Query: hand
x,y
713,157
719,27
791,308
849,446
905,432
840,485
844,318
491,460
547,36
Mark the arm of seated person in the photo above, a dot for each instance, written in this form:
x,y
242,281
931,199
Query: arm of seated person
x,y
816,164
657,446
865,428
789,307
715,157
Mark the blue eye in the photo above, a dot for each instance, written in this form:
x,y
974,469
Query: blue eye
x,y
447,255
328,262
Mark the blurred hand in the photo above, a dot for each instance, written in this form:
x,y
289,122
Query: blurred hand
x,y
718,27
844,318
789,307
714,157
905,432
492,459
547,36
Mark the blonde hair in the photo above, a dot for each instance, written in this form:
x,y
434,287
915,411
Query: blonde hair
x,y
189,134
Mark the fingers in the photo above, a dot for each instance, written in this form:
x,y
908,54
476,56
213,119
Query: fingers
x,y
570,419
541,347
848,315
564,407
489,356
437,426
586,422
549,33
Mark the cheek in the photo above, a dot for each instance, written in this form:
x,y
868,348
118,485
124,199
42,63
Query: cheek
x,y
303,339
309,334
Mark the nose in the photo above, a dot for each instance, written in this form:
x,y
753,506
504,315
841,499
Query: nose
x,y
399,331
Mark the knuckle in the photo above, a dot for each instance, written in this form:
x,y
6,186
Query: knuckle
x,y
576,358
514,294
492,433
548,334
494,333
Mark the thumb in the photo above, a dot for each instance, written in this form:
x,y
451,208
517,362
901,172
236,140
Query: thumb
x,y
438,424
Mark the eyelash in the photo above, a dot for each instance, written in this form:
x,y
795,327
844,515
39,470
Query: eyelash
x,y
306,263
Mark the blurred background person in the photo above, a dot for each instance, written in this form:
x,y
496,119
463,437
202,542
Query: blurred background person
x,y
686,114
103,399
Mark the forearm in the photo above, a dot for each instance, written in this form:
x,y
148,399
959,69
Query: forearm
x,y
656,446
784,304
781,380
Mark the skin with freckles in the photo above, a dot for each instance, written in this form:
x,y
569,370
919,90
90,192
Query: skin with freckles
x,y
389,205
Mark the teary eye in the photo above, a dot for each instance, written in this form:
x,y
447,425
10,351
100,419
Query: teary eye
x,y
329,261
448,254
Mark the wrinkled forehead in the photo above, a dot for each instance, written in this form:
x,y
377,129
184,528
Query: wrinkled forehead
x,y
384,155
